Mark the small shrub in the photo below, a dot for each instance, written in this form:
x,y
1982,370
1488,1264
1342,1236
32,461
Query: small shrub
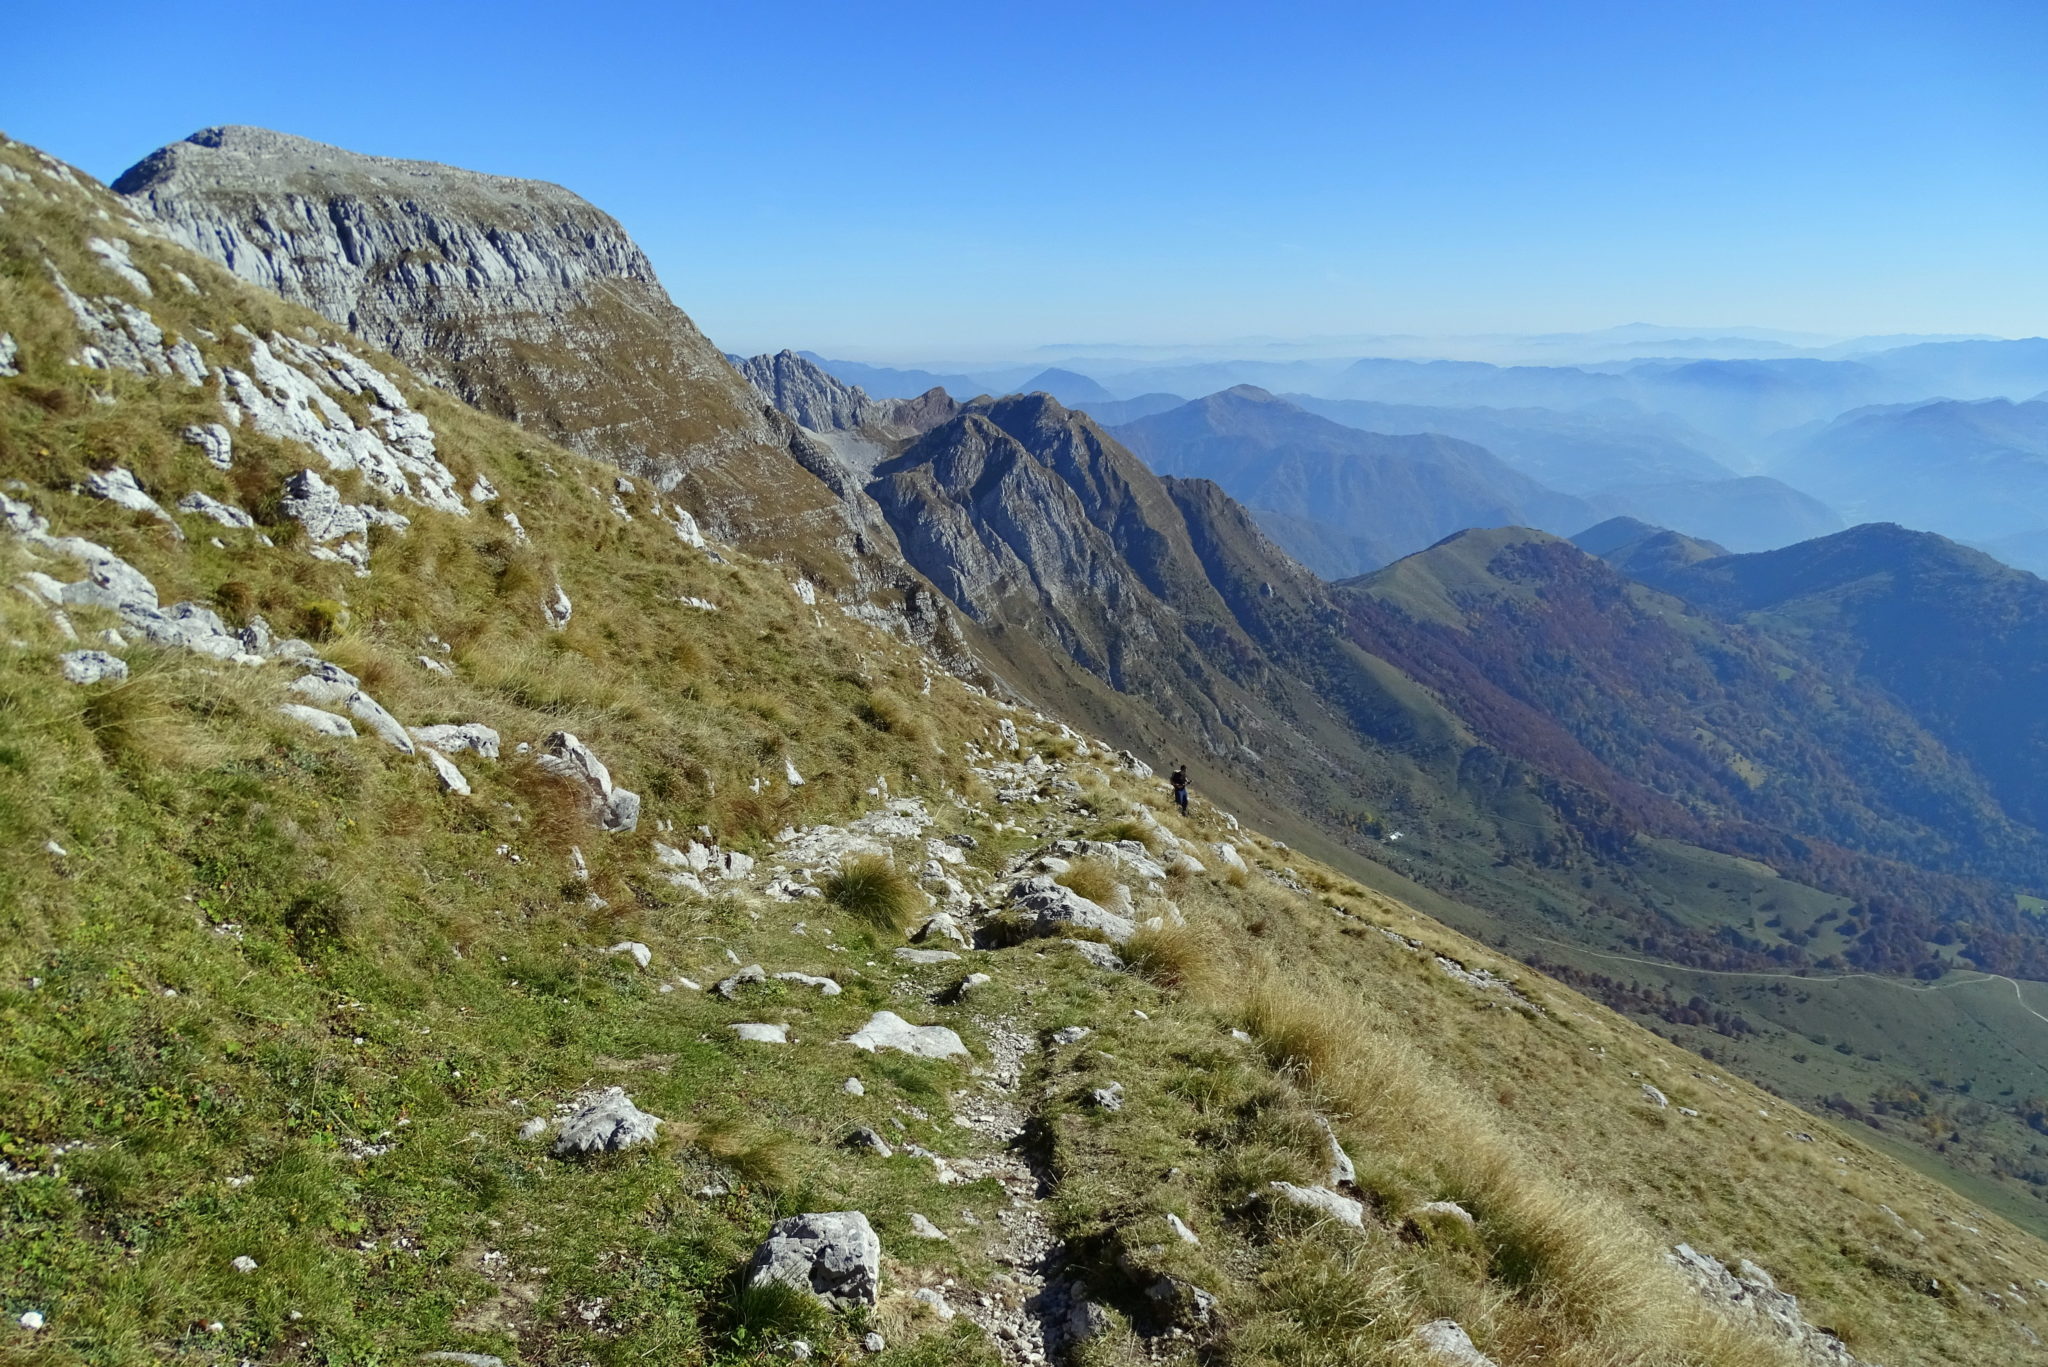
x,y
872,889
1094,879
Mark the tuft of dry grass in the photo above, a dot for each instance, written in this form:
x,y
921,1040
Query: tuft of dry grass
x,y
1178,958
872,889
1092,878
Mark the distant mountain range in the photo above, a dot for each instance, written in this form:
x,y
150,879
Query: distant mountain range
x,y
1339,499
1977,470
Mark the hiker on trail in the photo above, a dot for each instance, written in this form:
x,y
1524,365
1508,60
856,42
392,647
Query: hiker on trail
x,y
1180,788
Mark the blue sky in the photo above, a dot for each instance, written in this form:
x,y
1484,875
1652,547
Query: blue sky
x,y
969,180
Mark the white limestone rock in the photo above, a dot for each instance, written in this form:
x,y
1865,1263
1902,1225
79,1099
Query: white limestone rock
x,y
887,1030
1343,1172
1655,1097
606,1122
312,718
557,609
924,1228
834,1256
91,667
452,738
611,808
114,255
444,768
1749,1294
226,514
119,336
1321,1200
927,956
287,394
10,356
686,527
1056,906
335,686
1100,955
941,926
338,530
826,986
214,440
864,1137
1447,1343
119,486
753,1033
640,953
729,987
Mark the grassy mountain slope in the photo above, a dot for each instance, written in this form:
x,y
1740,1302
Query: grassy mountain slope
x,y
1865,601
275,995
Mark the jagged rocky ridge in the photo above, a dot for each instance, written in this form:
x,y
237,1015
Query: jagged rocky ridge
x,y
527,301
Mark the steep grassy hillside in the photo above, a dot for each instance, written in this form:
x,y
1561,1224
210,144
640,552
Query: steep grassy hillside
x,y
294,1027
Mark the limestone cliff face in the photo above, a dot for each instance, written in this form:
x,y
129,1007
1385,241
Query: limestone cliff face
x,y
520,296
824,404
820,401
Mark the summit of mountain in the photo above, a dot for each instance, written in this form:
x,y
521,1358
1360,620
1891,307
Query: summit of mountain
x,y
1325,482
1069,387
517,295
1642,551
1682,698
1866,602
816,399
1613,534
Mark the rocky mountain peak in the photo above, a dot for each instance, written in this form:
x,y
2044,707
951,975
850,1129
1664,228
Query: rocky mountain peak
x,y
809,394
813,397
518,295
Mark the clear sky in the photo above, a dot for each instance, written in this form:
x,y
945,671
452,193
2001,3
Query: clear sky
x,y
972,178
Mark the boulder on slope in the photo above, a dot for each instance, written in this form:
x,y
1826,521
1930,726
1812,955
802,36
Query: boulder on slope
x,y
834,1256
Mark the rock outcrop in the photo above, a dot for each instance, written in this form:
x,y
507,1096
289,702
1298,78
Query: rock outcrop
x,y
1748,1294
814,398
809,395
834,1256
518,295
605,1123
